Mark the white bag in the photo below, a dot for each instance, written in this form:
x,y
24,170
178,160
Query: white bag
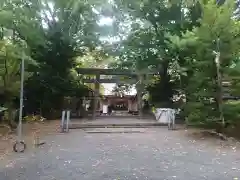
x,y
105,109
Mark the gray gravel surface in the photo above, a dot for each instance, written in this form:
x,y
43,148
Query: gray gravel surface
x,y
153,154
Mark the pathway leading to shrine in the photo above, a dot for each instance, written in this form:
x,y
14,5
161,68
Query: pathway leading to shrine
x,y
146,154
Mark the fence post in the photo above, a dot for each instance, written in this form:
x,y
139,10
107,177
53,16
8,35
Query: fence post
x,y
68,120
171,119
63,120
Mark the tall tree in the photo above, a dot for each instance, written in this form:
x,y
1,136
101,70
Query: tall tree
x,y
56,32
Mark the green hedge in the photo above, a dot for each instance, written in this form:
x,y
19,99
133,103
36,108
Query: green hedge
x,y
232,112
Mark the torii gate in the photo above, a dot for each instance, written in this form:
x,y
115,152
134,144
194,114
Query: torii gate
x,y
134,78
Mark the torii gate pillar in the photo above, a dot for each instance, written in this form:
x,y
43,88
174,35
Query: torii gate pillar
x,y
96,96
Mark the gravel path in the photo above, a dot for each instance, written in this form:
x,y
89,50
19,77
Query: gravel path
x,y
152,154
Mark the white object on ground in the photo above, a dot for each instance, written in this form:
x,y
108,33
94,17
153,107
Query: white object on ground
x,y
105,109
165,115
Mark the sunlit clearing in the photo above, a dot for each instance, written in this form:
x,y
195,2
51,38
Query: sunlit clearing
x,y
105,21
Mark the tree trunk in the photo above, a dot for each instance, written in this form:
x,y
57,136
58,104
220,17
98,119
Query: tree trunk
x,y
165,83
219,89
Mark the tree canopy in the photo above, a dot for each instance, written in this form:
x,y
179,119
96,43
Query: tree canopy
x,y
179,39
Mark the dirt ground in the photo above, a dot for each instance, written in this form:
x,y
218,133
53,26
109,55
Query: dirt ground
x,y
29,134
211,138
53,128
153,153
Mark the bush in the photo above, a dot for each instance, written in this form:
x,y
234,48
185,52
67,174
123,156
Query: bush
x,y
198,113
33,118
232,112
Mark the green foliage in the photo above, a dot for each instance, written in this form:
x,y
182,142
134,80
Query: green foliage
x,y
175,38
180,45
11,55
200,85
56,32
120,89
2,109
232,112
157,28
